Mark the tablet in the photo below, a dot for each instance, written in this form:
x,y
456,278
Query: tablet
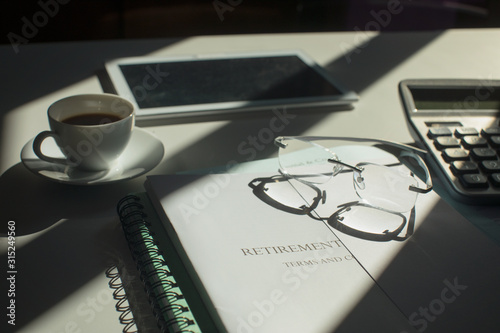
x,y
209,84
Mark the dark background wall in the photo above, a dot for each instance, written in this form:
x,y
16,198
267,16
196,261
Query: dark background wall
x,y
63,20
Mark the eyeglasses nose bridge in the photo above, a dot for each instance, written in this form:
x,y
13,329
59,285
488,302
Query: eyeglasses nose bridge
x,y
359,181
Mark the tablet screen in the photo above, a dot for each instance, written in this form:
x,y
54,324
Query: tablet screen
x,y
224,80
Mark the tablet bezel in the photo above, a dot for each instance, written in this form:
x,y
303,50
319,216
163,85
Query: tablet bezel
x,y
346,97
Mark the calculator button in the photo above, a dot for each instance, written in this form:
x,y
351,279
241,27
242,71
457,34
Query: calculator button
x,y
490,166
484,154
495,179
495,141
470,142
474,181
434,132
454,154
490,131
463,131
463,167
443,142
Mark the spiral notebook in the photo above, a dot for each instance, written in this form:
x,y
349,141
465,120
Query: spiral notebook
x,y
185,299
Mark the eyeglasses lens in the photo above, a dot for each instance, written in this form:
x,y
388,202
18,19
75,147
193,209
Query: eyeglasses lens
x,y
386,188
307,161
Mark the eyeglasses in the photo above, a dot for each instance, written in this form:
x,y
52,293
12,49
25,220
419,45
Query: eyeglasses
x,y
381,186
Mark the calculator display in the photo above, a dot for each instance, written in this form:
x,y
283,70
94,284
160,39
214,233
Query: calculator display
x,y
480,98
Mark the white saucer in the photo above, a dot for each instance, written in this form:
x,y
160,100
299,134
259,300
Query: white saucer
x,y
142,154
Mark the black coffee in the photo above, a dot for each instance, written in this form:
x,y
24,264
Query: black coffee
x,y
90,119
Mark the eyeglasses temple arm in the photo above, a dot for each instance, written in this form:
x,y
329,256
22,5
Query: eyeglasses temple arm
x,y
279,143
420,190
423,166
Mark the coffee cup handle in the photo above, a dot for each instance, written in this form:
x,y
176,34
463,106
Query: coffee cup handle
x,y
37,147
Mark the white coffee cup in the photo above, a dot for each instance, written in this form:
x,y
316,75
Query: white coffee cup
x,y
91,130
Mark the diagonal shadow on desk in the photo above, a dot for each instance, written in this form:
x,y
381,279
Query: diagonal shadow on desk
x,y
77,236
36,203
375,58
73,63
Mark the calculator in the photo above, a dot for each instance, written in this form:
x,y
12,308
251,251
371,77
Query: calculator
x,y
457,121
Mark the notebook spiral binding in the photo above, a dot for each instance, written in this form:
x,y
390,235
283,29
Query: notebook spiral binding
x,y
164,295
122,306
